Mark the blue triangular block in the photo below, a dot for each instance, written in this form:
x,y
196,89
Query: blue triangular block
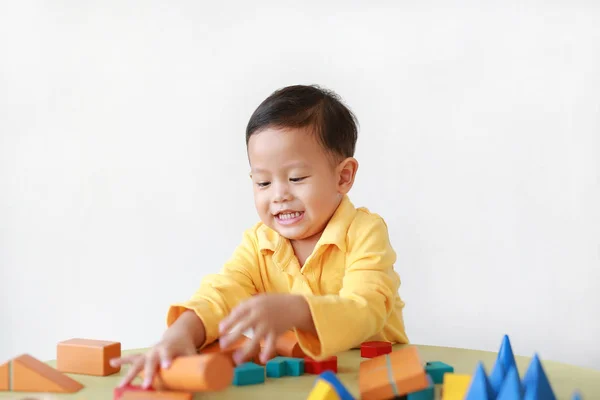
x,y
536,382
576,396
480,388
511,388
506,356
497,376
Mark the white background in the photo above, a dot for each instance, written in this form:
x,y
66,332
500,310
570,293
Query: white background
x,y
124,179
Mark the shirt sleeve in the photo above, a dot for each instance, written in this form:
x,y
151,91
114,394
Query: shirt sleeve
x,y
361,308
219,293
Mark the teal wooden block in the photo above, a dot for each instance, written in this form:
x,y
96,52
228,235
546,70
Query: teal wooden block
x,y
437,369
285,366
425,394
276,368
248,374
295,366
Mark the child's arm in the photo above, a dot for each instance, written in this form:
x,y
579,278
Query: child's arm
x,y
370,286
220,293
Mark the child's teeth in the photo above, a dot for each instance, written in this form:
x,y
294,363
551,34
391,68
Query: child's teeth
x,y
289,215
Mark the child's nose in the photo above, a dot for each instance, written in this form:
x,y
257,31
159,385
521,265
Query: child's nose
x,y
282,193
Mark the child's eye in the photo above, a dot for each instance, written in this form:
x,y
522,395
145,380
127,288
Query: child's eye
x,y
263,184
298,179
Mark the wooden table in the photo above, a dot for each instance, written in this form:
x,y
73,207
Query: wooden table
x,y
565,379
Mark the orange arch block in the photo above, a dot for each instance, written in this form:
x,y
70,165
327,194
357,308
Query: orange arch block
x,y
31,375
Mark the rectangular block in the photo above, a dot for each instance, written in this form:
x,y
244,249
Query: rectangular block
x,y
87,356
4,377
425,394
392,375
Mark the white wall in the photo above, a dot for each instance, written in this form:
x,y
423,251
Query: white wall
x,y
123,177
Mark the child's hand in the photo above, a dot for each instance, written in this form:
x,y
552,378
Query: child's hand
x,y
181,339
269,315
163,352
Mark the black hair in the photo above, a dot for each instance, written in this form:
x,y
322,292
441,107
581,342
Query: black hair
x,y
311,106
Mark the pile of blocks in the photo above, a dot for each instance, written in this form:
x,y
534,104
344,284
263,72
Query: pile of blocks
x,y
384,375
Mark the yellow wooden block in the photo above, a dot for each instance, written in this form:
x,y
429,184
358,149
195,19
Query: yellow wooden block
x,y
455,386
323,391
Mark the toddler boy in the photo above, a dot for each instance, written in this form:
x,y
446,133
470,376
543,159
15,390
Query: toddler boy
x,y
314,264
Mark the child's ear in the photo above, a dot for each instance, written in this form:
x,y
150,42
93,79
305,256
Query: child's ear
x,y
346,172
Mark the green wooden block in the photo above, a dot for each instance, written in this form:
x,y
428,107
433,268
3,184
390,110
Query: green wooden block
x,y
248,374
437,369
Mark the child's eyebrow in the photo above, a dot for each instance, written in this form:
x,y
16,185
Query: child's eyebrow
x,y
297,164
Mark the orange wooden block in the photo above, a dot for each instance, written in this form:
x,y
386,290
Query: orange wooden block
x,y
31,375
4,377
87,357
238,344
287,346
163,395
197,373
392,375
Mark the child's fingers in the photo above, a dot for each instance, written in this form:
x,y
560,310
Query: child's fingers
x,y
269,350
150,368
230,322
166,357
251,348
236,332
117,362
136,367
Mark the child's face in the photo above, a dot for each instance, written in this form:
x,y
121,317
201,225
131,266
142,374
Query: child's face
x,y
296,185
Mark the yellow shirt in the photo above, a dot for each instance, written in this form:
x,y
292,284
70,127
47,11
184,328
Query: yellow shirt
x,y
348,281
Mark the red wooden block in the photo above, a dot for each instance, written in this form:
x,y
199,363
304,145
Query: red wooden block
x,y
118,392
318,367
374,349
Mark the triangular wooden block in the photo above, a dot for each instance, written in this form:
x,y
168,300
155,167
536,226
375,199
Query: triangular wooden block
x,y
4,377
31,375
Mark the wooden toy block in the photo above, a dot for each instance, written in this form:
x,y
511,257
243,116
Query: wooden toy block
x,y
285,366
425,394
374,349
480,388
323,390
4,377
511,388
317,367
195,373
537,385
337,385
437,369
31,375
455,386
287,346
119,391
160,395
392,375
87,356
276,368
249,374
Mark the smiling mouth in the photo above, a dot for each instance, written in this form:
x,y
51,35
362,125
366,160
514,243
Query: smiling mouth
x,y
289,217
285,216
